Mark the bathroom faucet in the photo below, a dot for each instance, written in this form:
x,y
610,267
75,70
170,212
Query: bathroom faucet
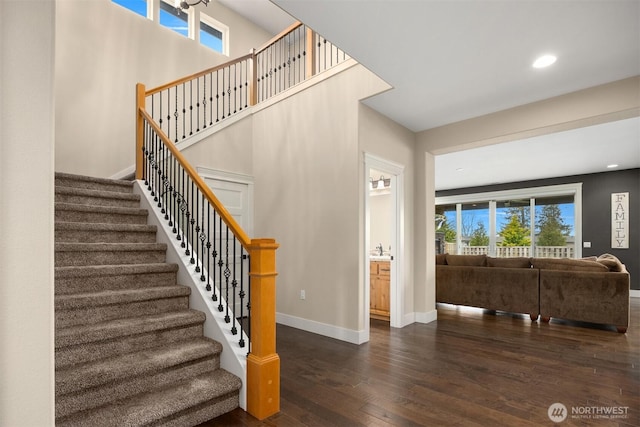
x,y
379,248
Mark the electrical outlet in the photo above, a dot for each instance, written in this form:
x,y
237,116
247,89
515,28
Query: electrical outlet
x,y
302,294
587,244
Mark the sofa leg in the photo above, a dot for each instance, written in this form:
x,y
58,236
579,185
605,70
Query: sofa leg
x,y
545,319
622,329
533,317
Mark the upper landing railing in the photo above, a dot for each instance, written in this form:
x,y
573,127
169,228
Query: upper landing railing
x,y
238,272
191,104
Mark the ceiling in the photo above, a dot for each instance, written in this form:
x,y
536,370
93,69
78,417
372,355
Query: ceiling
x,y
453,60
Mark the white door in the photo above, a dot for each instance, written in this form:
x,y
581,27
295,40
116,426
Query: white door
x,y
235,192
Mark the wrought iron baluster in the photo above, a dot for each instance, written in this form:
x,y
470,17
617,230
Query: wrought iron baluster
x,y
214,255
220,264
217,97
196,236
184,111
203,237
249,304
160,120
174,194
208,287
241,294
168,111
235,88
191,107
191,223
183,209
211,99
229,92
204,102
176,115
227,274
197,104
234,285
223,94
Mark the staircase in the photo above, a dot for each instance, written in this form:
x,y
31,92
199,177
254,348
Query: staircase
x,y
128,350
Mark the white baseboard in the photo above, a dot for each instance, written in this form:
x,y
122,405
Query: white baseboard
x,y
634,293
427,316
331,331
124,173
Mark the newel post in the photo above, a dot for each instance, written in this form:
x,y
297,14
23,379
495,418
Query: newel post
x,y
253,89
263,363
310,48
140,104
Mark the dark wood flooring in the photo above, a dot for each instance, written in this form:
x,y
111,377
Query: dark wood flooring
x,y
471,367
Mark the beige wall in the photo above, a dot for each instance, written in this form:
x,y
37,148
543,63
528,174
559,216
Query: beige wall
x,y
308,190
26,213
102,51
600,104
386,139
380,209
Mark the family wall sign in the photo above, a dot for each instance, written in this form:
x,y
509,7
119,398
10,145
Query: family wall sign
x,y
620,220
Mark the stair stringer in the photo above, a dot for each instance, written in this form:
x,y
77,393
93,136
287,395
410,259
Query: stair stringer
x,y
233,357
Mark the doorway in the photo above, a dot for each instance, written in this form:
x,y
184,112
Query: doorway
x,y
383,245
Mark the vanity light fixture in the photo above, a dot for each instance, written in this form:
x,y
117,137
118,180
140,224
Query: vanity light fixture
x,y
612,166
544,61
379,183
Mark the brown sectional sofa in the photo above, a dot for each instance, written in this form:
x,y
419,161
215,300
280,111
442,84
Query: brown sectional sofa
x,y
592,290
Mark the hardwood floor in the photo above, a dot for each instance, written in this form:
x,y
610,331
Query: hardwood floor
x,y
468,368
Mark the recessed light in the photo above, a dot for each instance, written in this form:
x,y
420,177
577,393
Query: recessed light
x,y
611,166
459,169
544,61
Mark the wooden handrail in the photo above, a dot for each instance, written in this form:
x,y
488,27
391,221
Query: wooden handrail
x,y
202,186
278,36
200,74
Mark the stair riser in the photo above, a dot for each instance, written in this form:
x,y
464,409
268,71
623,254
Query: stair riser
x,y
97,201
92,315
97,396
91,185
82,236
204,412
78,258
83,353
99,217
70,285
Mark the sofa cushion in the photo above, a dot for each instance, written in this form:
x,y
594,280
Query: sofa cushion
x,y
611,262
514,262
567,264
467,260
441,259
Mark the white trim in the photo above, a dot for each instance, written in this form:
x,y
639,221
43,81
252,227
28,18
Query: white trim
x,y
233,358
396,291
124,173
426,317
634,293
574,189
217,25
331,331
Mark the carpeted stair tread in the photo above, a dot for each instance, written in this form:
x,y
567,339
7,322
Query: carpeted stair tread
x,y
171,403
68,254
113,329
126,343
89,196
73,279
81,181
129,366
81,232
96,299
61,206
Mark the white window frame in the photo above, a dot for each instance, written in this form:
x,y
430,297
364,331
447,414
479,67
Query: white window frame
x,y
574,190
214,23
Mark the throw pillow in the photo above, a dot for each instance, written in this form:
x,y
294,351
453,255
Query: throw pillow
x,y
611,262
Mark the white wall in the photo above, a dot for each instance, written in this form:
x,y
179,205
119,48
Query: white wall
x,y
102,51
26,213
380,210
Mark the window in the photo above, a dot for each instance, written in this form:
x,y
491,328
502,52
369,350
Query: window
x,y
213,34
541,222
137,6
174,18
